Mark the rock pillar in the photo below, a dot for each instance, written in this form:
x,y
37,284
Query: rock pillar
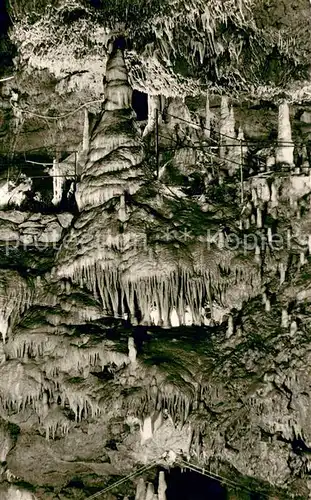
x,y
285,149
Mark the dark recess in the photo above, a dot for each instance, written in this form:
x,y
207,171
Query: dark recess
x,y
190,485
140,105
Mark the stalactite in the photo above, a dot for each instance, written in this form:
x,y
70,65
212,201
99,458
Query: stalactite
x,y
285,149
146,430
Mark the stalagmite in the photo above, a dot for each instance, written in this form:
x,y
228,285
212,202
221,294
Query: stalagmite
x,y
150,492
154,106
243,147
258,254
285,318
268,305
224,124
230,149
162,486
115,154
132,350
221,240
302,258
274,194
86,138
309,244
207,126
285,149
140,490
293,327
122,209
230,328
282,271
58,182
289,238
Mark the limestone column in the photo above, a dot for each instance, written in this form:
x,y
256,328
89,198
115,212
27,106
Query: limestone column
x,y
285,149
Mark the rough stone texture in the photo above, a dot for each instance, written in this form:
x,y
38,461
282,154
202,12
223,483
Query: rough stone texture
x,y
101,367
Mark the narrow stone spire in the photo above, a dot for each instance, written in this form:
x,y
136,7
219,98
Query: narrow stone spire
x,y
113,166
118,92
162,486
285,149
154,104
207,125
141,490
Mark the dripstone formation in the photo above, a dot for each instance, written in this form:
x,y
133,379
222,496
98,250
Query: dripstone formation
x,y
154,274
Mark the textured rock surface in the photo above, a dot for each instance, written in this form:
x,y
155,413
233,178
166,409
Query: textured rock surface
x,y
144,313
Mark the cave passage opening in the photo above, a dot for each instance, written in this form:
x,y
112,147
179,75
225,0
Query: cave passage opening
x,y
140,105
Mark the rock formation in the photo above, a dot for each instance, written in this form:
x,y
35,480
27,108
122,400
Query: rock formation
x,y
154,281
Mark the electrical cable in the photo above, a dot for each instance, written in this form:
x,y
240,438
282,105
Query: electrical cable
x,y
123,480
7,78
59,117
